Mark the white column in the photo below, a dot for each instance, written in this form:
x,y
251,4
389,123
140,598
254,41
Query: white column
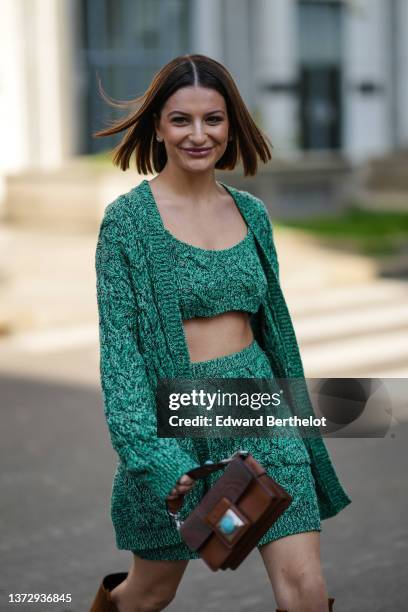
x,y
275,40
366,64
207,28
37,95
54,83
15,101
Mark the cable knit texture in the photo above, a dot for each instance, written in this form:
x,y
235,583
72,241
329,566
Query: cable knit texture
x,y
285,459
214,281
285,447
142,340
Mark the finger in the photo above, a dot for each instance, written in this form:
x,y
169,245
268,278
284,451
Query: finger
x,y
182,488
185,484
176,493
185,480
183,492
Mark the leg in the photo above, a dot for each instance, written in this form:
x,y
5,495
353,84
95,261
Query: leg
x,y
294,569
150,585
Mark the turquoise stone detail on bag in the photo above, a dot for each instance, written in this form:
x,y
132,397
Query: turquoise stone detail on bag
x,y
227,525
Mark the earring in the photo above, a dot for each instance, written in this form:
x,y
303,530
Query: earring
x,y
159,139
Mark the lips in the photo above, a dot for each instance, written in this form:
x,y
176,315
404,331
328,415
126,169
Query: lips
x,y
197,150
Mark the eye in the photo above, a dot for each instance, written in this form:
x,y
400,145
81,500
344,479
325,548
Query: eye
x,y
213,119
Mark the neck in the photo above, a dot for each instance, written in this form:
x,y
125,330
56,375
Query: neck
x,y
195,186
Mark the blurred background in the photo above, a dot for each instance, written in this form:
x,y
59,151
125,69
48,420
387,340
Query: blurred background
x,y
327,81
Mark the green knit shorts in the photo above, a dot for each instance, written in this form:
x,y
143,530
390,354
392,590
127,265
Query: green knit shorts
x,y
286,460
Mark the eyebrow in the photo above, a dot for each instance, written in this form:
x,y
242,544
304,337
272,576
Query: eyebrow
x,y
218,110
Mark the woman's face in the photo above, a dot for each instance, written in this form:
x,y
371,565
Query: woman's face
x,y
194,128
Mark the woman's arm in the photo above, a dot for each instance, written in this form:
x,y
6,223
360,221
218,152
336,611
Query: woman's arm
x,y
129,402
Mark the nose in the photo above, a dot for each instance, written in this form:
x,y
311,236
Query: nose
x,y
198,136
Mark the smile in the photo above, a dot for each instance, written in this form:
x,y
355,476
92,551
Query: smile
x,y
198,152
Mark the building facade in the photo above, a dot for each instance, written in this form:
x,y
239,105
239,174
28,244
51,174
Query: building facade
x,y
318,75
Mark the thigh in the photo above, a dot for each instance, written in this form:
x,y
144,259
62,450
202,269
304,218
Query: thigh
x,y
159,577
291,559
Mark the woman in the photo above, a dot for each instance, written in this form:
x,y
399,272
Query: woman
x,y
187,276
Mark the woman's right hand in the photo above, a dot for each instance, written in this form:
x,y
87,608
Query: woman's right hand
x,y
184,484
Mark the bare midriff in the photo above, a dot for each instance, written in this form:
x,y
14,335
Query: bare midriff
x,y
217,336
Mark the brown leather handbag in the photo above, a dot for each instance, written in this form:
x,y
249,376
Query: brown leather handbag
x,y
234,514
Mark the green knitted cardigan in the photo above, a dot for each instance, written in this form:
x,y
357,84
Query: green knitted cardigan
x,y
142,339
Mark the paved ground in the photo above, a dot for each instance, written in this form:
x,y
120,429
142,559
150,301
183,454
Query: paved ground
x,y
56,534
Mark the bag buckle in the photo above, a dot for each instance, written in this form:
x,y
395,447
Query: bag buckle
x,y
227,521
176,516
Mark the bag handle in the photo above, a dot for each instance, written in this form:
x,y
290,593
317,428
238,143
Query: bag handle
x,y
174,505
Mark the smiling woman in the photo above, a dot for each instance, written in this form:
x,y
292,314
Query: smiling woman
x,y
188,286
227,111
200,134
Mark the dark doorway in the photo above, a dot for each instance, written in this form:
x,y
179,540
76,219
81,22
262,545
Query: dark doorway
x,y
320,74
320,107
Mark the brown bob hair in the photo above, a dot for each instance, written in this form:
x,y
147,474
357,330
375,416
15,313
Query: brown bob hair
x,y
248,142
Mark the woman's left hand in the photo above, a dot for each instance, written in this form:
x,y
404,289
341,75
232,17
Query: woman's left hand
x,y
184,484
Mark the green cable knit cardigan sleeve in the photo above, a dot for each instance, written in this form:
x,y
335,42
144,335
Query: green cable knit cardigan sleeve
x,y
271,247
129,402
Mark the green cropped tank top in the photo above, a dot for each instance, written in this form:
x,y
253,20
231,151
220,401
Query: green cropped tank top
x,y
213,281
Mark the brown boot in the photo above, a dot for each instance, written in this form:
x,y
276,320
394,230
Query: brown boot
x,y
331,602
102,601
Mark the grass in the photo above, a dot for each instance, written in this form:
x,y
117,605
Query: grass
x,y
368,232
